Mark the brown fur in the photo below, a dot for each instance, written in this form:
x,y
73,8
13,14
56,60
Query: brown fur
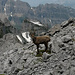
x,y
40,40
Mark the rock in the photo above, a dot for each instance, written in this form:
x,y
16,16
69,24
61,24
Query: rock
x,y
20,59
43,33
64,24
72,71
70,43
11,51
45,56
54,30
67,72
48,73
60,43
55,47
20,66
66,38
29,60
73,63
19,73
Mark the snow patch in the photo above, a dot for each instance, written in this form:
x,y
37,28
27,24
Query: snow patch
x,y
31,8
49,20
14,6
11,14
26,36
4,9
19,38
37,23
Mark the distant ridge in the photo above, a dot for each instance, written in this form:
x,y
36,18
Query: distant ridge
x,y
50,14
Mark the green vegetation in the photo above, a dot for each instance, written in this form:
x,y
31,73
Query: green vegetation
x,y
2,74
73,25
39,59
41,53
73,39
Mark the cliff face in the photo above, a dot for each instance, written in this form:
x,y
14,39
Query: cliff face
x,y
23,61
5,27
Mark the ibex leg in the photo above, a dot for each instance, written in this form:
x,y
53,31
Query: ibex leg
x,y
37,49
46,46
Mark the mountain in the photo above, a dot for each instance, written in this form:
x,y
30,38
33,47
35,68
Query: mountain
x,y
14,9
21,59
11,6
54,12
68,3
18,59
17,11
49,14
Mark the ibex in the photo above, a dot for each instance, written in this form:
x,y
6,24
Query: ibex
x,y
40,40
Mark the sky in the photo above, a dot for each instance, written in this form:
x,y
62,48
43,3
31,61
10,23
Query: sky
x,y
37,2
33,3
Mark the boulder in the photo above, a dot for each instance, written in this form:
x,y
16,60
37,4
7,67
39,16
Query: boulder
x,y
66,38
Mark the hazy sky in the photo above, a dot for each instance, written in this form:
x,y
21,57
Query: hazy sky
x,y
37,2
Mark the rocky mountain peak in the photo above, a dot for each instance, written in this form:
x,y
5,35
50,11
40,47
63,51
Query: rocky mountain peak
x,y
50,14
22,60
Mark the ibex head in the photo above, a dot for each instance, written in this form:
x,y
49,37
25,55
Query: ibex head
x,y
32,33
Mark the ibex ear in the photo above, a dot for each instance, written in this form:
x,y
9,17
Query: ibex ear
x,y
32,32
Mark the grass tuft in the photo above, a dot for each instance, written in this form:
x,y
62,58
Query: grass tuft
x,y
41,53
73,39
2,74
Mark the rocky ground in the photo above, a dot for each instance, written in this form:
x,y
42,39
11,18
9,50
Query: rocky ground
x,y
19,59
